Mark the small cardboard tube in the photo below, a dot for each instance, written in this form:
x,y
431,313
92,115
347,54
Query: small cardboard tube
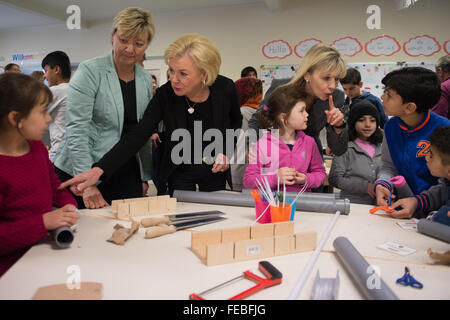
x,y
158,231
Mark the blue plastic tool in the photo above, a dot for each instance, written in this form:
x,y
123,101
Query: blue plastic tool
x,y
408,280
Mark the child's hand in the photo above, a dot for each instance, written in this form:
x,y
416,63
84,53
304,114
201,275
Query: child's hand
x,y
287,175
370,191
409,207
66,216
300,178
382,194
93,198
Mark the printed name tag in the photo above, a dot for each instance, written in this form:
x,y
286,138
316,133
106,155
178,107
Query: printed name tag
x,y
408,225
396,248
253,250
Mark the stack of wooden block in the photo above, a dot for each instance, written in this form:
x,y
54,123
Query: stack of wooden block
x,y
248,243
143,206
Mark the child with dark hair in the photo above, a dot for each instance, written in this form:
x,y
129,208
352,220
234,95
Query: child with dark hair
x,y
355,172
57,72
409,94
352,86
249,72
438,196
28,183
249,92
285,153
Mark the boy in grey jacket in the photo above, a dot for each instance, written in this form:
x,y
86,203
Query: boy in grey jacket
x,y
438,196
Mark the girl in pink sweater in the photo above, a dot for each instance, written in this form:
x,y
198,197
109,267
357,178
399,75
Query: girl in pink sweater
x,y
28,183
285,154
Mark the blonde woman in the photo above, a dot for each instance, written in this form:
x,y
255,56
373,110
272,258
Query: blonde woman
x,y
196,94
318,76
106,98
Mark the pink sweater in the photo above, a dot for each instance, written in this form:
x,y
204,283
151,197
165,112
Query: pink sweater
x,y
272,154
27,190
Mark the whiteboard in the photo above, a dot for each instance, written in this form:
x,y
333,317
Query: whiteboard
x,y
373,73
270,72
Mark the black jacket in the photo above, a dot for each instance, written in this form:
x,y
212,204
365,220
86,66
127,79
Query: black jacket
x,y
171,109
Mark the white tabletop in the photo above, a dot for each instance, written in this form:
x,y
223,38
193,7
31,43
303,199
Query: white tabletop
x,y
166,268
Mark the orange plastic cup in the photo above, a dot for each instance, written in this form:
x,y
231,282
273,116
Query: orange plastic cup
x,y
280,214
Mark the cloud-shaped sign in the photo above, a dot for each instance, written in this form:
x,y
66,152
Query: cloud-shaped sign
x,y
277,49
347,46
446,46
382,46
303,46
424,45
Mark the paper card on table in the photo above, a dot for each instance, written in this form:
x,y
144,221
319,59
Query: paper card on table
x,y
396,248
86,291
408,225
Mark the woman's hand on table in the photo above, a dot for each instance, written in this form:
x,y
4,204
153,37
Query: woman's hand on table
x,y
82,181
93,198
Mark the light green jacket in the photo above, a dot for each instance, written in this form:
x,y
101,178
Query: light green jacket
x,y
94,115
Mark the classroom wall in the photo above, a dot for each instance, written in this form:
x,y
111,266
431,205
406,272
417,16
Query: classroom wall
x,y
241,31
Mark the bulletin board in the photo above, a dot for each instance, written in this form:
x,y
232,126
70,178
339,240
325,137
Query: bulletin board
x,y
270,72
372,73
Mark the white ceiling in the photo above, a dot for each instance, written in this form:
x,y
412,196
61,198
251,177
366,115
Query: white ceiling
x,y
29,13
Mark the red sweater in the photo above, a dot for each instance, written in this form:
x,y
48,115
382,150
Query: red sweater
x,y
28,189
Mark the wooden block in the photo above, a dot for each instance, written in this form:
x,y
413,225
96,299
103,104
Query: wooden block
x,y
171,205
136,199
305,241
283,228
235,234
261,231
165,197
123,210
114,205
219,253
156,206
200,252
203,238
253,249
284,244
138,208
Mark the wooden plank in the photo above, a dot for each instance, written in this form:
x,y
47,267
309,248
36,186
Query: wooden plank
x,y
235,234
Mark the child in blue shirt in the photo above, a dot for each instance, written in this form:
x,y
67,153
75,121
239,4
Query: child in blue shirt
x,y
409,94
438,196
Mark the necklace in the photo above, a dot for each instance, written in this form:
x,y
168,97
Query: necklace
x,y
191,108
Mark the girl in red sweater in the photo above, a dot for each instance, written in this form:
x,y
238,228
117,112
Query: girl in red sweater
x,y
28,183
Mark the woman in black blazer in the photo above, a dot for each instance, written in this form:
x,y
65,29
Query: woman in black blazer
x,y
194,100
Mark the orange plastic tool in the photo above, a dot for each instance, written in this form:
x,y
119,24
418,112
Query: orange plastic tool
x,y
385,208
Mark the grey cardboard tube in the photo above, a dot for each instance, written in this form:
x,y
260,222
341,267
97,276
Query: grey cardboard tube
x,y
434,229
63,237
314,195
372,286
245,200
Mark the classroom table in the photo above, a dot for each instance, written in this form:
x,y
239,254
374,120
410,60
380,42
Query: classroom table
x,y
166,268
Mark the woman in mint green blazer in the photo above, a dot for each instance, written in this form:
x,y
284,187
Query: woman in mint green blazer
x,y
106,98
